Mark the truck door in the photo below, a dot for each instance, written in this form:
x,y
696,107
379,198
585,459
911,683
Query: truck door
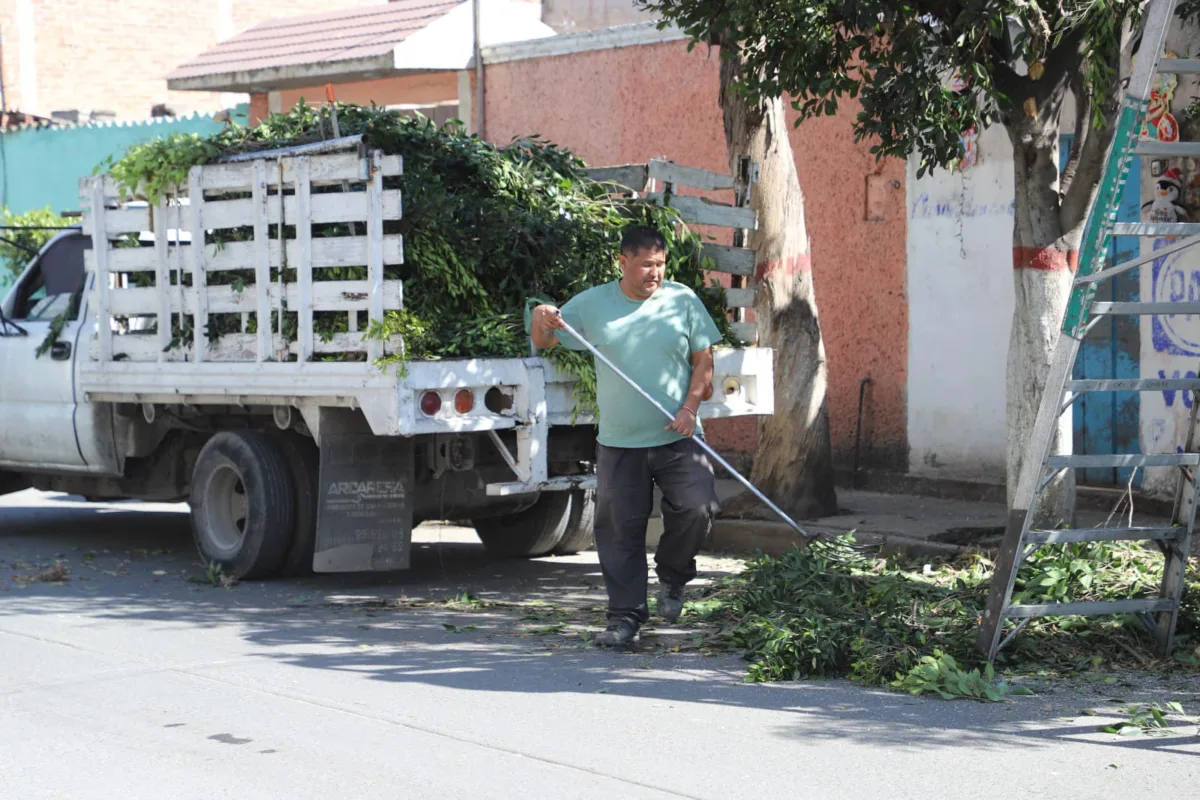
x,y
37,392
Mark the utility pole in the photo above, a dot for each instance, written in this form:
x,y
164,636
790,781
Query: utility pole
x,y
476,7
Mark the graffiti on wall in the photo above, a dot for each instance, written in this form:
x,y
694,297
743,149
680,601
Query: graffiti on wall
x,y
958,206
1176,279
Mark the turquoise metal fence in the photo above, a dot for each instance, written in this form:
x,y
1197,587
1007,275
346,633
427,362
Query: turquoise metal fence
x,y
42,167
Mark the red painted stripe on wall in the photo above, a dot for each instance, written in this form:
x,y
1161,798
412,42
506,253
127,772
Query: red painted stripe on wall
x,y
1046,259
792,265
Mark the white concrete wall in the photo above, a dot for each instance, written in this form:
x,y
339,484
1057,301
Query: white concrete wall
x,y
1170,345
960,290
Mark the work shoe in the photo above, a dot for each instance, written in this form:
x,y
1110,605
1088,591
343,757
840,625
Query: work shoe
x,y
620,632
670,601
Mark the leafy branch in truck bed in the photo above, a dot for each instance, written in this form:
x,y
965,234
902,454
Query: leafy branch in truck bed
x,y
485,228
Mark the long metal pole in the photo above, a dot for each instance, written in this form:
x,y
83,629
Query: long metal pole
x,y
477,13
703,444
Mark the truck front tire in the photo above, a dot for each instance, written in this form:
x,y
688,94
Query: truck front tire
x,y
243,504
544,527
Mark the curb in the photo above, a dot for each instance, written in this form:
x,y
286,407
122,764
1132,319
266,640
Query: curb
x,y
748,537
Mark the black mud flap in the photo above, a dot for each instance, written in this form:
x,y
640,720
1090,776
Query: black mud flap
x,y
364,520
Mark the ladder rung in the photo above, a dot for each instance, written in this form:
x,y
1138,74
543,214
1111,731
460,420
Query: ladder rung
x,y
1090,609
1130,460
1135,385
1105,535
1168,149
1143,309
1179,66
1156,228
1125,266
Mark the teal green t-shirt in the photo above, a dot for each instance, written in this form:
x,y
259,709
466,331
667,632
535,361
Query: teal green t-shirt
x,y
651,341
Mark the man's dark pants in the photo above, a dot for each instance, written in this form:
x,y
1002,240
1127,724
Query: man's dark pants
x,y
625,480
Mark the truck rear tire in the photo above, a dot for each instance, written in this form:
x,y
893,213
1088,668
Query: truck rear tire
x,y
531,533
243,504
579,535
304,460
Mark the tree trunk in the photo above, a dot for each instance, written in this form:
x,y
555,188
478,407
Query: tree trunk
x,y
793,464
1050,212
1044,260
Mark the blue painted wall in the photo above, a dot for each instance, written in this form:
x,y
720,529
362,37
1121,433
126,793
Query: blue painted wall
x,y
1107,422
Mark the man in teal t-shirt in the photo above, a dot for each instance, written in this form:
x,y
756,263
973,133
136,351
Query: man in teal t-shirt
x,y
659,334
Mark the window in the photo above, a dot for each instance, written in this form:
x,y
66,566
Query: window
x,y
57,277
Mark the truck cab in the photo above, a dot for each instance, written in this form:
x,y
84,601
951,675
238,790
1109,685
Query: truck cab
x,y
42,324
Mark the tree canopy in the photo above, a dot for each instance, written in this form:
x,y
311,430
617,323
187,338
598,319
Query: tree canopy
x,y
923,71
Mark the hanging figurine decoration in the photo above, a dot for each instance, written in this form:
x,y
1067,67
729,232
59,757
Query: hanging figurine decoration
x,y
1166,206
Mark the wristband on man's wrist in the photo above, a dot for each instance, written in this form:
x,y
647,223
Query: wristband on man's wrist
x,y
685,408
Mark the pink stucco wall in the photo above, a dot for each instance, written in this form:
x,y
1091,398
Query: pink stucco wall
x,y
631,104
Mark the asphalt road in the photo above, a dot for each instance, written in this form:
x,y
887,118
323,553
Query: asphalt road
x,y
135,678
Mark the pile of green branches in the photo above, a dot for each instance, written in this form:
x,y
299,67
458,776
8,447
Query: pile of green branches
x,y
485,227
891,621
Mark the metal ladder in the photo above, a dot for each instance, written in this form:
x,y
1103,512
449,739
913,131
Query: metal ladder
x,y
1039,468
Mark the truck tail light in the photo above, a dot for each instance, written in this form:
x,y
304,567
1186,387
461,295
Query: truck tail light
x,y
431,404
464,401
708,392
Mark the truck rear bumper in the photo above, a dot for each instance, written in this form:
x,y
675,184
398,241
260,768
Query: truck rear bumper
x,y
421,398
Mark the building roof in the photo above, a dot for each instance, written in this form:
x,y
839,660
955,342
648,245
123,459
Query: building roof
x,y
404,36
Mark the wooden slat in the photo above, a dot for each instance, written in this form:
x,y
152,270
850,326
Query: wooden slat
x,y
230,347
328,251
87,186
122,259
304,260
326,296
375,250
199,274
353,343
235,347
670,172
161,274
262,260
118,221
324,169
739,298
702,211
631,176
745,331
734,260
101,249
325,208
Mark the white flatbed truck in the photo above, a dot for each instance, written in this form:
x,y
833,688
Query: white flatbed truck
x,y
290,463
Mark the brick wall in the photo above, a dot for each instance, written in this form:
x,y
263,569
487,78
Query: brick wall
x,y
115,55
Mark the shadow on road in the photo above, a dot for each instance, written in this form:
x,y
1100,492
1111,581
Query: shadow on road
x,y
137,568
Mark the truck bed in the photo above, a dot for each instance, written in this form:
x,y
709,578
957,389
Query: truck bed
x,y
217,257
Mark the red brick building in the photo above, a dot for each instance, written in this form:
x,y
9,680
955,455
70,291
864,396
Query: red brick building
x,y
100,59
